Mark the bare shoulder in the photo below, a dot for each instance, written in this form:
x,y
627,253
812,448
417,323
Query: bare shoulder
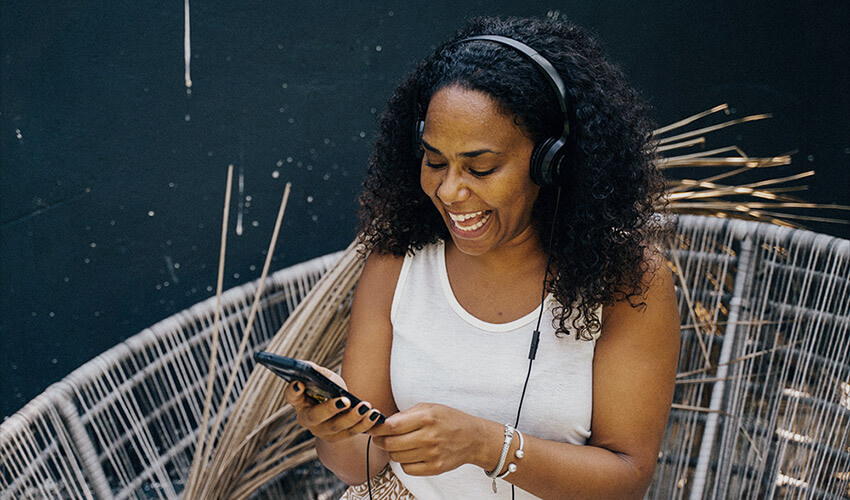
x,y
366,360
659,294
634,369
637,329
378,281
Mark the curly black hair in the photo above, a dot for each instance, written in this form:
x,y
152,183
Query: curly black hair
x,y
610,185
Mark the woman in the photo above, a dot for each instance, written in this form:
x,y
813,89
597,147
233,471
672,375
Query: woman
x,y
460,239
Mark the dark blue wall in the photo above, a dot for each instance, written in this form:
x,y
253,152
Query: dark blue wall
x,y
113,177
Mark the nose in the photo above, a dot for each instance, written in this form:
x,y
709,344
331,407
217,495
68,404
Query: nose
x,y
452,188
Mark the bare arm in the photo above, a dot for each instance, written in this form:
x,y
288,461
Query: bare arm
x,y
366,366
633,376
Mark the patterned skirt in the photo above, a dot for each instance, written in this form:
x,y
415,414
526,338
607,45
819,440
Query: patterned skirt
x,y
385,486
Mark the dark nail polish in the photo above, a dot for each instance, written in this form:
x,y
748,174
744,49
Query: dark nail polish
x,y
296,387
374,416
363,409
340,404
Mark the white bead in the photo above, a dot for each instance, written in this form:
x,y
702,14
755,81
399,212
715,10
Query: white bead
x,y
519,453
512,467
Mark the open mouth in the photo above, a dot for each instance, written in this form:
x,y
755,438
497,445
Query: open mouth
x,y
471,221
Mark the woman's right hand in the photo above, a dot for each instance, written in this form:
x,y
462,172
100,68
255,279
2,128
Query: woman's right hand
x,y
332,420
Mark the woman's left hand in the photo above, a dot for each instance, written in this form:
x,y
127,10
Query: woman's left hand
x,y
428,439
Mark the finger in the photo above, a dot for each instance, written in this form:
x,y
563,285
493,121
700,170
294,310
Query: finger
x,y
418,469
348,423
409,456
369,420
400,442
294,395
392,426
322,412
329,374
399,423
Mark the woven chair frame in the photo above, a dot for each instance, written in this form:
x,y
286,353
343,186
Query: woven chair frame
x,y
761,408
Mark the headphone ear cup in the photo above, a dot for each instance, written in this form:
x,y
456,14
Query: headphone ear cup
x,y
546,162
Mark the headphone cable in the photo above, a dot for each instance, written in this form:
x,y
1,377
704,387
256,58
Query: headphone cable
x,y
368,476
535,338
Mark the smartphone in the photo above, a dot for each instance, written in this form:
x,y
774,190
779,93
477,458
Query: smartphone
x,y
317,386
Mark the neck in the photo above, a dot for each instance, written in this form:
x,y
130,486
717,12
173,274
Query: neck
x,y
523,254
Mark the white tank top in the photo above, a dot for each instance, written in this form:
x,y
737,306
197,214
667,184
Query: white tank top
x,y
443,354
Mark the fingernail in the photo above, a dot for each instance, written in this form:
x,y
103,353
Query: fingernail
x,y
374,416
296,387
341,403
362,409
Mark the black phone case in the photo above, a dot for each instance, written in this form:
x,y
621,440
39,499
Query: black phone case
x,y
318,386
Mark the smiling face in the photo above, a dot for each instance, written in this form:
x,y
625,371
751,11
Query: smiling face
x,y
476,171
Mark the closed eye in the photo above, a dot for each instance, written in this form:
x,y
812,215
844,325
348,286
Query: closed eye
x,y
482,173
476,173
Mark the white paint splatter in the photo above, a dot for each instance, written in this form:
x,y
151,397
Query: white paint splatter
x,y
275,174
18,134
187,44
171,268
241,205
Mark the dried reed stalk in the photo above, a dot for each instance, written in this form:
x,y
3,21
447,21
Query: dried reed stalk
x,y
707,197
202,434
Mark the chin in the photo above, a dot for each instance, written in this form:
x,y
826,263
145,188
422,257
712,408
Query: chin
x,y
473,248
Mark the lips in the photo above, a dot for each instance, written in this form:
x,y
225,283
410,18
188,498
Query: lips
x,y
469,221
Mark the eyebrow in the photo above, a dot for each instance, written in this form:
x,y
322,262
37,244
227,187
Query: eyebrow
x,y
466,154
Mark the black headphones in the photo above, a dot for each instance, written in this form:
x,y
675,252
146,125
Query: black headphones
x,y
547,157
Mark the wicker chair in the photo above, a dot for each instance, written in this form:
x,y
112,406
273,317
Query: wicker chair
x,y
761,410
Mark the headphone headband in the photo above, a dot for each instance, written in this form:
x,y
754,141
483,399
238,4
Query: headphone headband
x,y
541,63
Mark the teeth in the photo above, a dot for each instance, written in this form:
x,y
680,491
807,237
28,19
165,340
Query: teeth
x,y
469,216
463,217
